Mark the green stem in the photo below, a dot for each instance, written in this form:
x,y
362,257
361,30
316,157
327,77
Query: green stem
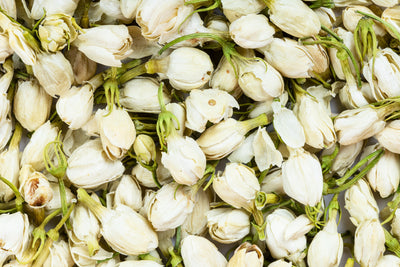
x,y
91,204
16,138
250,124
44,254
19,199
132,73
392,243
178,238
381,21
332,33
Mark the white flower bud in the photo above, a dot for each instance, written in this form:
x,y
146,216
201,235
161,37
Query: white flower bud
x,y
53,7
346,157
247,255
317,125
145,176
360,203
288,127
395,224
351,19
289,16
259,80
59,256
251,31
326,16
4,106
55,202
129,7
31,104
227,225
184,159
89,167
128,193
9,169
140,95
369,242
138,263
355,125
73,139
224,137
55,31
389,137
386,3
117,132
112,8
5,132
5,49
280,263
34,187
302,177
179,112
208,105
235,9
285,234
196,222
82,67
179,202
294,60
81,256
145,148
15,233
388,260
265,153
198,251
245,152
9,8
33,152
224,78
105,44
391,16
237,185
273,183
382,74
326,248
141,46
54,73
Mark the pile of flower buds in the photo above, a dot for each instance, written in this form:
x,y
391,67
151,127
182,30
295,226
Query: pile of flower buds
x,y
199,133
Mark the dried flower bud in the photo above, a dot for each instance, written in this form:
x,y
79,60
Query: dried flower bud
x,y
179,112
54,73
105,44
388,260
177,199
208,105
53,7
138,263
31,104
391,16
15,233
346,157
360,203
224,78
89,167
55,202
5,132
326,16
369,242
81,256
9,169
145,148
265,153
59,256
5,49
198,251
280,263
247,255
351,19
82,67
389,138
128,192
273,183
227,225
196,222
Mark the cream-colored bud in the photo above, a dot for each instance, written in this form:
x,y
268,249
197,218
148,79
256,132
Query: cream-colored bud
x,y
326,248
179,111
117,132
138,263
33,152
280,263
53,7
145,148
317,125
326,16
129,193
369,243
289,16
208,105
73,139
388,260
56,31
346,157
5,132
105,44
82,67
227,225
389,138
245,152
273,183
81,256
247,255
89,167
196,222
4,106
31,104
113,9
391,16
141,46
9,8
224,137
140,95
395,224
129,7
285,234
55,202
302,177
145,176
235,9
360,203
5,49
34,187
224,78
54,73
237,185
198,251
355,125
59,256
259,80
251,31
288,127
386,3
9,169
15,233
184,159
265,153
351,19
179,202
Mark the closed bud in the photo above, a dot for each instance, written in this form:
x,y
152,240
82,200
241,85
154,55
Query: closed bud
x,y
128,192
224,78
302,177
15,233
351,19
346,157
198,251
389,137
31,104
326,16
5,132
227,225
140,95
237,186
59,256
369,242
208,105
391,16
289,17
53,7
196,222
360,203
388,260
9,8
54,73
138,263
56,31
105,44
5,49
233,9
247,255
273,183
280,263
89,167
178,200
82,67
179,112
145,148
33,152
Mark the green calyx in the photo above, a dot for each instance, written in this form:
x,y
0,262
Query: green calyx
x,y
327,160
365,40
